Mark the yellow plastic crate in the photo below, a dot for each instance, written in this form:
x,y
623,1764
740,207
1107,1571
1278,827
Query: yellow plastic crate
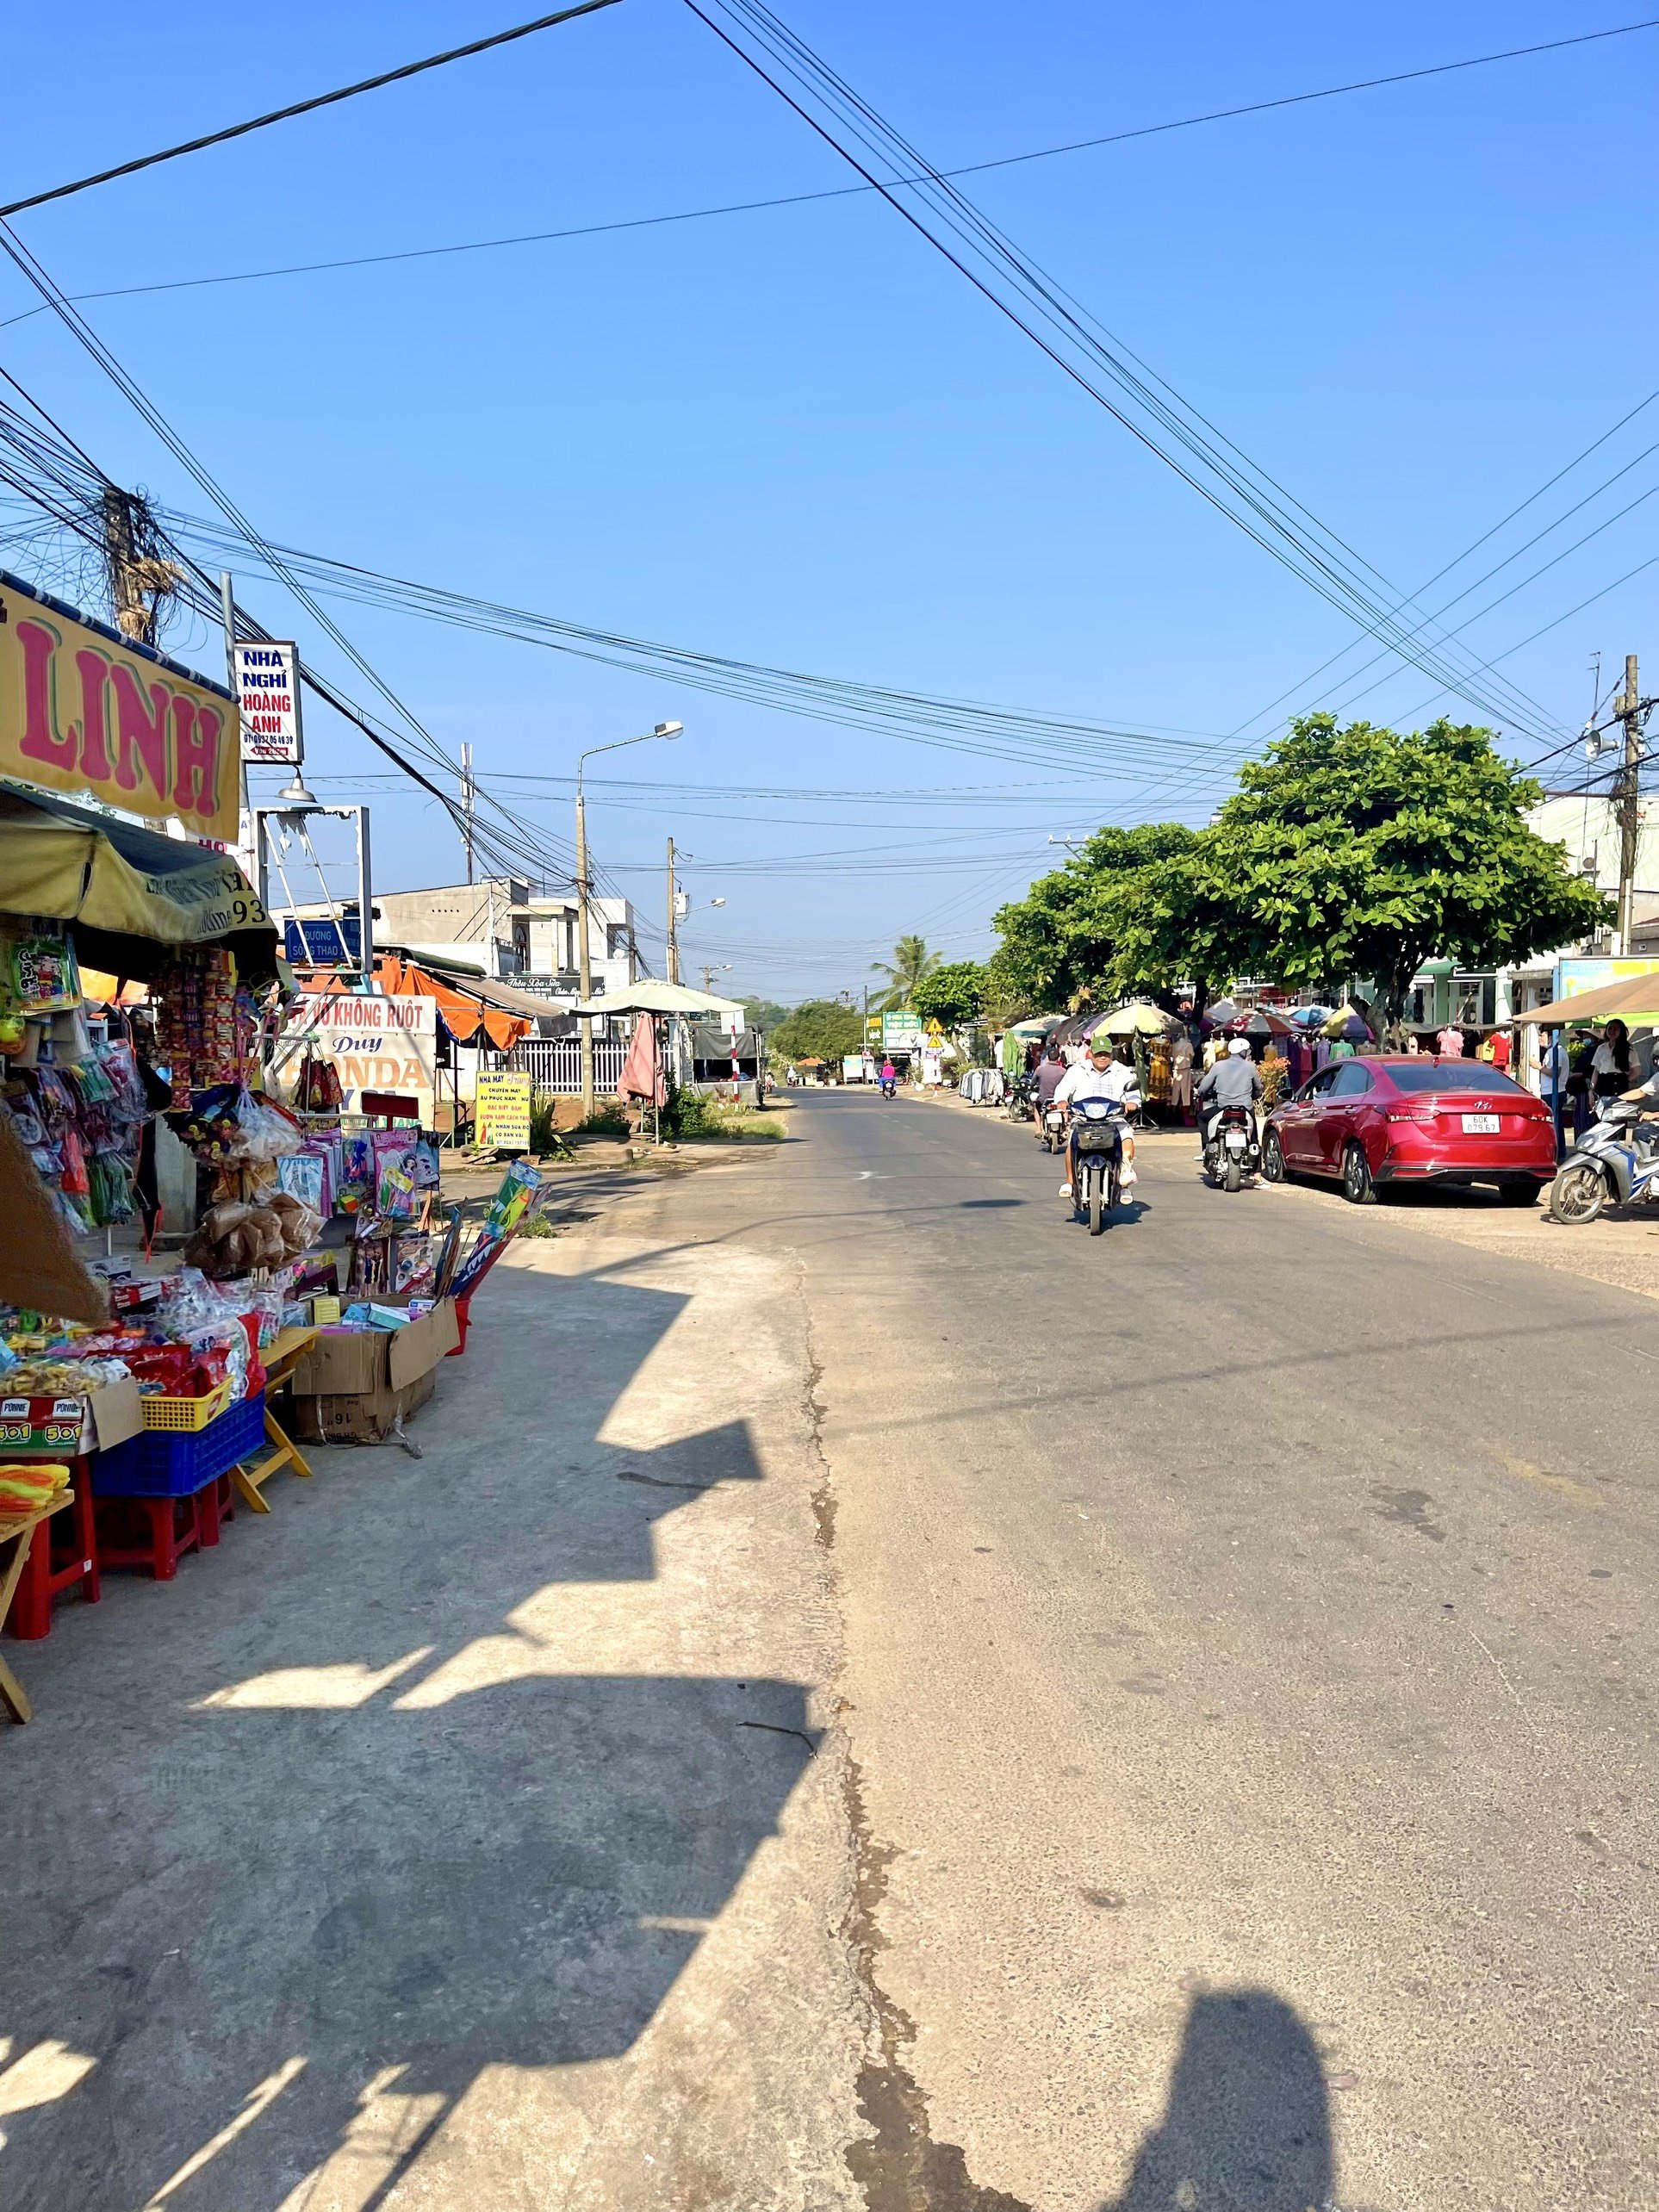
x,y
188,1415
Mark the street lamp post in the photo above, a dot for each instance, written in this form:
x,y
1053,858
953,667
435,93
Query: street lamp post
x,y
584,893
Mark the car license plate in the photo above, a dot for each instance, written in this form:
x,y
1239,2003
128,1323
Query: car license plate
x,y
1481,1125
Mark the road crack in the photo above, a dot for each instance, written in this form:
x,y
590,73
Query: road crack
x,y
898,2166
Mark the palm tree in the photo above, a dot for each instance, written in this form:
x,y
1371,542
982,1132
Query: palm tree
x,y
911,963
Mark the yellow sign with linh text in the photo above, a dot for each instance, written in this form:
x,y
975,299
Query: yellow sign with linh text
x,y
81,710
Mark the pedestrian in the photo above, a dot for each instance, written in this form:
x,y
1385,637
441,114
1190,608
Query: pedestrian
x,y
1181,1071
1610,1063
1583,1043
1449,1042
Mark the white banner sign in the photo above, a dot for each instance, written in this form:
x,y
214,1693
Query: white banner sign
x,y
267,679
376,1043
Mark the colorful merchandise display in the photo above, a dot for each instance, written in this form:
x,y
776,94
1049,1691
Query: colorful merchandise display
x,y
209,1024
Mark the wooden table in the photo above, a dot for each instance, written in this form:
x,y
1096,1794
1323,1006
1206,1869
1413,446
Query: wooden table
x,y
281,1359
18,1530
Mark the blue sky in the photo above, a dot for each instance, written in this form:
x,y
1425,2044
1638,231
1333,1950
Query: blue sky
x,y
798,437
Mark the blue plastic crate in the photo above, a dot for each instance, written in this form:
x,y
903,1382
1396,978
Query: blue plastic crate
x,y
161,1464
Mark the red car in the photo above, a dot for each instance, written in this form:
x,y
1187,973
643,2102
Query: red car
x,y
1407,1119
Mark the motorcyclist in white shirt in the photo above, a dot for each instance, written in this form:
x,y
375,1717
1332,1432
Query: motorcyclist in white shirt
x,y
1101,1076
1235,1080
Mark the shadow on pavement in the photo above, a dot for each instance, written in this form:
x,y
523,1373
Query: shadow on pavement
x,y
1248,2127
277,1909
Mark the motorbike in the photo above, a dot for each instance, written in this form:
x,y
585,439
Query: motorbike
x,y
1617,1160
889,1086
1232,1149
1021,1098
1052,1136
1097,1124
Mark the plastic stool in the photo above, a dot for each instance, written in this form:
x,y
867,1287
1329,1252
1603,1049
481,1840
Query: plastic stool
x,y
42,1579
175,1527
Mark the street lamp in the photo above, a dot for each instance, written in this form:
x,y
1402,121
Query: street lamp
x,y
584,891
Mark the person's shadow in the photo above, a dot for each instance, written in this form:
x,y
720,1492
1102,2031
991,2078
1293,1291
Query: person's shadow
x,y
1248,2127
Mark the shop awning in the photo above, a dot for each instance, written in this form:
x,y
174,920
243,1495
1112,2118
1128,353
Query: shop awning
x,y
134,898
474,1009
650,996
1633,997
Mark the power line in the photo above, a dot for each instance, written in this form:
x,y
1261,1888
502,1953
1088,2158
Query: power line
x,y
1065,332
834,192
305,107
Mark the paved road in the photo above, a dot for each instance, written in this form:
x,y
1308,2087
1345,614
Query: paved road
x,y
873,1701
1250,1663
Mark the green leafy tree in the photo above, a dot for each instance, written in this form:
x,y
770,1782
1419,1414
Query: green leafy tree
x,y
1064,944
911,964
764,1013
953,996
823,1029
1359,851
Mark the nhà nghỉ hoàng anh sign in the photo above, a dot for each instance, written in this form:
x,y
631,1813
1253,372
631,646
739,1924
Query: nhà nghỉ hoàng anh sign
x,y
83,709
268,700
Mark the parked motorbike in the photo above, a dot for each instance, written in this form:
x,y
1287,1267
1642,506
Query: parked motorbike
x,y
1021,1098
1616,1159
1097,1124
1052,1138
1232,1150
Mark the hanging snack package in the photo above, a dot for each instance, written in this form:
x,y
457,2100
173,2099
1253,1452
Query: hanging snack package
x,y
45,978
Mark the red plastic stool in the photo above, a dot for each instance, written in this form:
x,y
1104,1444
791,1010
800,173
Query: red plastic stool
x,y
174,1526
48,1570
215,1505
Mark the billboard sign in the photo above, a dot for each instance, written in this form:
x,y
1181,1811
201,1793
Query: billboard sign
x,y
267,676
901,1033
376,1043
83,709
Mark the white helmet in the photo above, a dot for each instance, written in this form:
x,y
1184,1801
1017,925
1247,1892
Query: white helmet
x,y
1237,1047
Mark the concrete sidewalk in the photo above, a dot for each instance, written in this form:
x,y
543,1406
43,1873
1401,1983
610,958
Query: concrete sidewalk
x,y
468,1832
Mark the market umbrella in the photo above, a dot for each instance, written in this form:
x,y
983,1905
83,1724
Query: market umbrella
x,y
1310,1017
1136,1019
1039,1025
1220,1012
1266,1021
1347,1022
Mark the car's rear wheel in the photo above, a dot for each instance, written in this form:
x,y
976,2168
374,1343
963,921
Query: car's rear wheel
x,y
1357,1185
1577,1195
1519,1193
1272,1158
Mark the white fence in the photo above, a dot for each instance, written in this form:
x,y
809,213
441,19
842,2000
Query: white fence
x,y
554,1064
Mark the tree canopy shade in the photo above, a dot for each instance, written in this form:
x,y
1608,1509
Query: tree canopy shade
x,y
1344,852
821,1030
911,964
951,996
1361,852
1072,935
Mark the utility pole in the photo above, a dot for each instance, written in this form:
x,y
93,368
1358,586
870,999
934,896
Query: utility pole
x,y
467,802
708,978
674,921
1627,805
584,961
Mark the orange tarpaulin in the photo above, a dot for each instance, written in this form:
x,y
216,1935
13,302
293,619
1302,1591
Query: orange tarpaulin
x,y
462,1016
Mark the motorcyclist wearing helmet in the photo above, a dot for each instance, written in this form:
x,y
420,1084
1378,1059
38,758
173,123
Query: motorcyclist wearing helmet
x,y
1103,1075
1235,1080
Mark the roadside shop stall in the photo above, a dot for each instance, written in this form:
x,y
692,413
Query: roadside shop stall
x,y
135,1392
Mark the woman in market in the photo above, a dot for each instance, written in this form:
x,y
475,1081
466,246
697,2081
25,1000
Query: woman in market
x,y
1610,1063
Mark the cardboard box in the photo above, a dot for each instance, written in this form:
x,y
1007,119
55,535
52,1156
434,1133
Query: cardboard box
x,y
63,1426
354,1383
